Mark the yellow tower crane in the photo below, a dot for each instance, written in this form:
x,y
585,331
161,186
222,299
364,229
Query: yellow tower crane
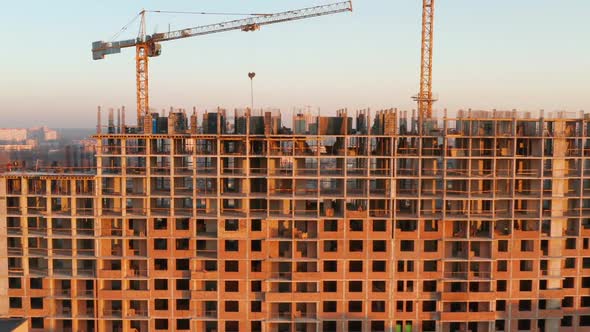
x,y
147,46
425,98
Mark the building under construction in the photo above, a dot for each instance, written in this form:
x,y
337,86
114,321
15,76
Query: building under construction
x,y
230,221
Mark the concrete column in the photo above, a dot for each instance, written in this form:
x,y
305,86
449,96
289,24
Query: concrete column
x,y
558,220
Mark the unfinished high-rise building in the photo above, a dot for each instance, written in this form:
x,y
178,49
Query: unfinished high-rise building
x,y
231,221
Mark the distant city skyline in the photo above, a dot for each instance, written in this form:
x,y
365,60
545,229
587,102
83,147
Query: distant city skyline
x,y
527,55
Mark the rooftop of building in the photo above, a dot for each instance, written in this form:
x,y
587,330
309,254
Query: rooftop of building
x,y
307,125
272,122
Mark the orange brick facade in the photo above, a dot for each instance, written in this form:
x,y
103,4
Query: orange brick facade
x,y
481,223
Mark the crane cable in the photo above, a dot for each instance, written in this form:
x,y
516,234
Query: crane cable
x,y
204,13
126,26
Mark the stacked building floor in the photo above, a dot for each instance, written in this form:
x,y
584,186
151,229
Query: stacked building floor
x,y
478,221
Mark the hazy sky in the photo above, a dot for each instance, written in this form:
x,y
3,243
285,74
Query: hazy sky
x,y
524,54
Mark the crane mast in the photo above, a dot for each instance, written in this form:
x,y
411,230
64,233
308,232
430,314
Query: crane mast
x,y
147,46
424,97
141,79
141,64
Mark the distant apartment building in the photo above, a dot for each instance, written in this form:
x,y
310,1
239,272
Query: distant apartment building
x,y
79,154
13,135
367,222
42,134
18,147
20,135
18,139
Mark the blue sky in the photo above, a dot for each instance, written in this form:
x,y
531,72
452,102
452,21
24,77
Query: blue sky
x,y
504,54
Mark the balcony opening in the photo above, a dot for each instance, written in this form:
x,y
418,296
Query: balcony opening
x,y
161,284
232,286
356,226
355,306
161,324
378,286
330,266
525,305
182,264
379,266
255,266
407,245
232,306
355,245
330,286
232,266
526,286
232,245
428,306
182,244
161,264
431,245
355,266
379,246
379,226
183,304
355,286
429,286
182,284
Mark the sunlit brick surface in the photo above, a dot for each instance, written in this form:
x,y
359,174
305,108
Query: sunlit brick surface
x,y
340,224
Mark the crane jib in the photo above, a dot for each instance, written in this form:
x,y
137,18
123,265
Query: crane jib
x,y
149,45
254,21
100,49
